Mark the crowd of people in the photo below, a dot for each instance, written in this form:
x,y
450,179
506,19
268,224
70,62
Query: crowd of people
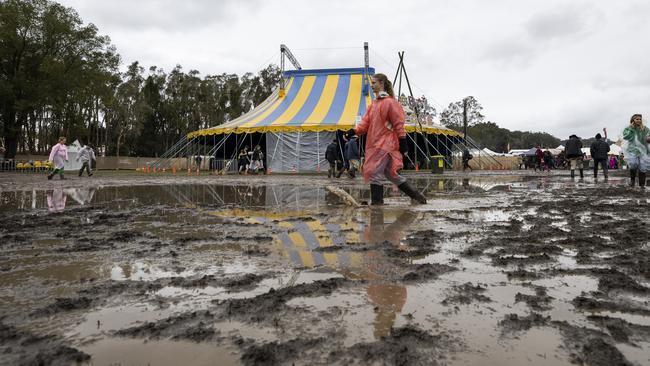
x,y
572,157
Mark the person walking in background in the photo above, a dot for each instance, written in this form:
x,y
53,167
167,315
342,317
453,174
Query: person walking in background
x,y
383,123
539,158
636,137
86,156
258,160
242,161
58,157
333,157
548,160
599,150
352,155
612,162
466,158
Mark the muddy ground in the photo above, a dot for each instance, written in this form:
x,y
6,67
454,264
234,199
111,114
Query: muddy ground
x,y
499,268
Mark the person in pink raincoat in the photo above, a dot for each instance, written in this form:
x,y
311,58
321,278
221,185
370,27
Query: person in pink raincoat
x,y
383,123
58,157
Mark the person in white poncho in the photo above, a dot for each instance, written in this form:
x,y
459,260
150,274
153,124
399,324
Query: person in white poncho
x,y
636,137
86,156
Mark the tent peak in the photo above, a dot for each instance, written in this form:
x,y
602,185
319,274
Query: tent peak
x,y
342,71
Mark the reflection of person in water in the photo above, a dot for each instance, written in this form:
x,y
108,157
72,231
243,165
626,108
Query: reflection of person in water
x,y
388,298
56,200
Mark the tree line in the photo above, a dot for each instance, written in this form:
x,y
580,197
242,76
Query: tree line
x,y
489,134
60,77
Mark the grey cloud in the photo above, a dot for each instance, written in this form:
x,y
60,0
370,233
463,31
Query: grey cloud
x,y
510,52
640,79
169,15
563,22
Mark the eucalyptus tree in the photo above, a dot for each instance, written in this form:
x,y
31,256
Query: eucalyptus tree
x,y
455,114
151,139
125,111
49,61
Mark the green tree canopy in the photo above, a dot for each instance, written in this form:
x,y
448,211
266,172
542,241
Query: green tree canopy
x,y
454,115
49,62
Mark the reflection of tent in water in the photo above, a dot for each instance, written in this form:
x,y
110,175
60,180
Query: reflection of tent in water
x,y
313,242
306,242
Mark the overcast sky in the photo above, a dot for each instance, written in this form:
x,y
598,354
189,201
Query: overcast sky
x,y
556,66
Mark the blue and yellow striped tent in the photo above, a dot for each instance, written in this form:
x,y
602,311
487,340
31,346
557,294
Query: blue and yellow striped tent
x,y
313,101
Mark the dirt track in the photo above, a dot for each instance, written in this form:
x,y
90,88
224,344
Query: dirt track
x,y
497,268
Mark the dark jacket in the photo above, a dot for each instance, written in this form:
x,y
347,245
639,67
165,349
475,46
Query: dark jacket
x,y
599,150
258,154
573,147
352,150
466,155
332,152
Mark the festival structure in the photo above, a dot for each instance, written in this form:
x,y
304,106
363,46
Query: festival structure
x,y
306,112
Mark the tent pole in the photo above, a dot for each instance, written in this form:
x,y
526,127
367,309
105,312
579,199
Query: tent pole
x,y
298,154
416,145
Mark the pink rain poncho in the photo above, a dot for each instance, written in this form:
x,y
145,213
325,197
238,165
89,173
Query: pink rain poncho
x,y
59,155
383,124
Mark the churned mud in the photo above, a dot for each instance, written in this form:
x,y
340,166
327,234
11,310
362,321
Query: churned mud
x,y
498,268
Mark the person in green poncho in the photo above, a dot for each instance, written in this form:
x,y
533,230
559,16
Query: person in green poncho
x,y
635,147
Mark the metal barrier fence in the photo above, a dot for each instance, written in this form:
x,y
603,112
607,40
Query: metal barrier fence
x,y
29,166
36,164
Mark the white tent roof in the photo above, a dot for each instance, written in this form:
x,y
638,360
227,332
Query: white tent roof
x,y
517,151
615,149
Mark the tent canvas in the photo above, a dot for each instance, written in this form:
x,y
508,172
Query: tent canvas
x,y
73,153
615,150
530,152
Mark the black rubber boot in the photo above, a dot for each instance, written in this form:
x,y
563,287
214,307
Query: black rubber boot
x,y
573,174
582,174
641,180
376,194
410,191
632,177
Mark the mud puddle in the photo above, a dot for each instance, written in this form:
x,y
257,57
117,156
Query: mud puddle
x,y
493,270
